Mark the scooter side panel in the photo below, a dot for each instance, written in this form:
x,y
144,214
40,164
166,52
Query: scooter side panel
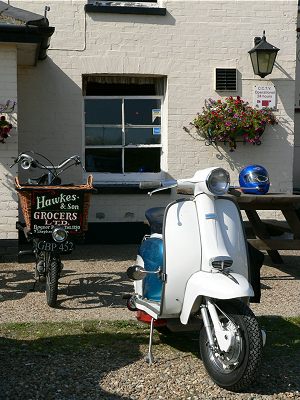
x,y
151,251
233,235
182,253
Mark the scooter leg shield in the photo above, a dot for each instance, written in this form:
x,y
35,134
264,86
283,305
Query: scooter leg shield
x,y
214,285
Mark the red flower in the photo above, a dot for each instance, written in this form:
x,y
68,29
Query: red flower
x,y
5,128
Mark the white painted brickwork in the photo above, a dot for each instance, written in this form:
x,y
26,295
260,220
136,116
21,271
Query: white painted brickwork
x,y
8,199
186,45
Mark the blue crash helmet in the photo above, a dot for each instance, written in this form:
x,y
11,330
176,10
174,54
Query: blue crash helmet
x,y
254,179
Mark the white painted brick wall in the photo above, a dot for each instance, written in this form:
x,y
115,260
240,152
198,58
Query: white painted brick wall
x,y
187,45
8,150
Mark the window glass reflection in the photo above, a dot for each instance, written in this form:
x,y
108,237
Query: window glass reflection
x,y
103,136
142,160
143,136
103,160
142,111
103,111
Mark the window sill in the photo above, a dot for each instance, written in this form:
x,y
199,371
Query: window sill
x,y
124,188
117,9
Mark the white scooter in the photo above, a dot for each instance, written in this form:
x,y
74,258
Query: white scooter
x,y
193,271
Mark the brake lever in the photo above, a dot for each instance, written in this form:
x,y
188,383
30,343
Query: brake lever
x,y
77,160
162,188
14,163
17,160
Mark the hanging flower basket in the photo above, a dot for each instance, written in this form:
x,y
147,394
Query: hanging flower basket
x,y
230,121
5,128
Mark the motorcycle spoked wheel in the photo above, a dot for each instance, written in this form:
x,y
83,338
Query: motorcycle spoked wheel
x,y
237,368
52,275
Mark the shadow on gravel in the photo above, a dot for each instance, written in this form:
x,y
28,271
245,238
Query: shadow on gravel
x,y
16,283
291,266
94,290
68,367
91,290
89,253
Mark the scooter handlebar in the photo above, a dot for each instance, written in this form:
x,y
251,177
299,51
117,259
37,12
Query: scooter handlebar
x,y
185,186
164,186
150,185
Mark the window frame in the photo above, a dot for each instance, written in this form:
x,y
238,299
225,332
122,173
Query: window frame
x,y
126,177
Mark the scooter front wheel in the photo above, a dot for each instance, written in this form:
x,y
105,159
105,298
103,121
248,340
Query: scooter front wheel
x,y
236,368
52,283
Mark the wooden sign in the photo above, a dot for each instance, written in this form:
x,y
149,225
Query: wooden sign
x,y
56,208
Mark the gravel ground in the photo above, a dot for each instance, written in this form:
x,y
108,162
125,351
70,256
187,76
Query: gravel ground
x,y
91,288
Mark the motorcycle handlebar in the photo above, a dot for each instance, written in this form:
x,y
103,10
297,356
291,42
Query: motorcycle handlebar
x,y
75,158
28,161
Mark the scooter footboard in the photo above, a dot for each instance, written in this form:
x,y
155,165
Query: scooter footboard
x,y
214,285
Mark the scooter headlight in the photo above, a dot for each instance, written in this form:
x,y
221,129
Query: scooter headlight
x,y
218,181
59,234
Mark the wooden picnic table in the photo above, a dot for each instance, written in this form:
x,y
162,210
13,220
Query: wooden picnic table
x,y
287,204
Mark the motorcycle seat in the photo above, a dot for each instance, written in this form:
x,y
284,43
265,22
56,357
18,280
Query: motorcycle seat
x,y
155,217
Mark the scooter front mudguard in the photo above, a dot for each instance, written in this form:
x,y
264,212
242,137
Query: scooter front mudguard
x,y
215,285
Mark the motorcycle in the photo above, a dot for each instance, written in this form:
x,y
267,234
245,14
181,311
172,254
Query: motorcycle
x,y
55,217
192,272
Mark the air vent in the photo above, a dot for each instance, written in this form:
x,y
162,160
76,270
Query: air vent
x,y
222,264
226,79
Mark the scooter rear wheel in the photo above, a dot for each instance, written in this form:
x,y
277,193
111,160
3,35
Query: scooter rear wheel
x,y
236,369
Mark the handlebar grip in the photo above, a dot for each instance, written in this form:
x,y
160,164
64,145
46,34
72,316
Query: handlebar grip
x,y
185,187
150,185
235,191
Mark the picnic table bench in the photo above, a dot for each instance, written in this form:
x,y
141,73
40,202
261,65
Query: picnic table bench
x,y
288,204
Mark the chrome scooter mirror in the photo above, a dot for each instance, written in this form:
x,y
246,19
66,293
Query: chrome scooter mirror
x,y
136,272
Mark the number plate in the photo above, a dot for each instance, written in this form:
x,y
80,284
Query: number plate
x,y
52,246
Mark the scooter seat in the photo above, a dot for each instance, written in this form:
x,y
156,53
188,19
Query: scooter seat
x,y
155,217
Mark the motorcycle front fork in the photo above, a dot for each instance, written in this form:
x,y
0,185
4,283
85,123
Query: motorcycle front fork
x,y
224,336
42,264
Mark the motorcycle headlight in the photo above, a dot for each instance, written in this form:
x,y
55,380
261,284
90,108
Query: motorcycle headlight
x,y
59,234
218,181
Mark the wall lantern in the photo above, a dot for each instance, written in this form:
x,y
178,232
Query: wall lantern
x,y
263,56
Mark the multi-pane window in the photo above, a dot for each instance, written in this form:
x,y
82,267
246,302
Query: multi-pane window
x,y
123,134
